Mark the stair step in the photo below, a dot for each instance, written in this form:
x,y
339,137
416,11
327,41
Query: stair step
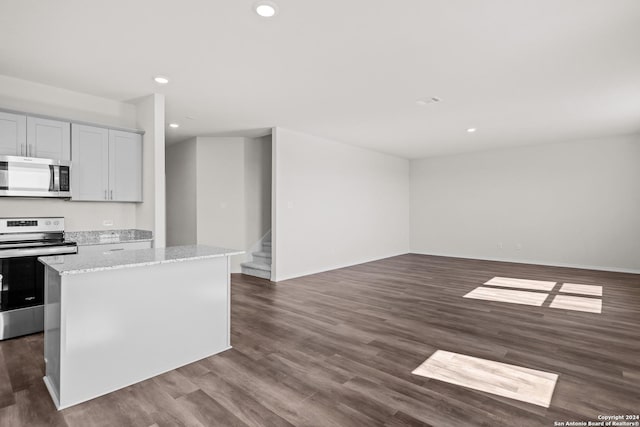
x,y
263,274
262,254
256,266
267,244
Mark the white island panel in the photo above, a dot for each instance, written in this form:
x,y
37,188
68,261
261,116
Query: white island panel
x,y
52,316
110,328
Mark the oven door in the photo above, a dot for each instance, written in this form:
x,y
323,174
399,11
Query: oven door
x,y
22,283
22,275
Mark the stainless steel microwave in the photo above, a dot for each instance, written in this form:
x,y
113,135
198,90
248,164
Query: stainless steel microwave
x,y
33,177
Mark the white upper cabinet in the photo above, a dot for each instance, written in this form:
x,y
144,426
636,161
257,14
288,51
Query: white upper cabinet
x,y
90,167
125,166
107,165
26,136
13,134
48,139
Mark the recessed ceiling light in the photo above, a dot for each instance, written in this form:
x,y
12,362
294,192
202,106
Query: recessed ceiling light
x,y
266,9
428,100
161,80
174,125
471,130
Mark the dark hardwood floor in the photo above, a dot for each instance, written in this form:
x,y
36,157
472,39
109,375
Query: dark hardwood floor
x,y
338,348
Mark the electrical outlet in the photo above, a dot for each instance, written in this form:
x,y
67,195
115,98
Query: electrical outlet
x,y
499,245
107,223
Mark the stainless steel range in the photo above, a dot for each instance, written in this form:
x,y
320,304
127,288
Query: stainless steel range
x,y
22,241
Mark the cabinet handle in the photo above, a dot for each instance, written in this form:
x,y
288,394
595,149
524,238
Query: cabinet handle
x,y
105,194
111,191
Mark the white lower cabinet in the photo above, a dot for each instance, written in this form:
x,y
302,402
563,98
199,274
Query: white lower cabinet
x,y
113,247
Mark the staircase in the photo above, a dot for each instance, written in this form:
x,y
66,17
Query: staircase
x,y
260,266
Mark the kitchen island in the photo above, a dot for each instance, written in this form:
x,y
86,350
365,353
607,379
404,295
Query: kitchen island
x,y
115,319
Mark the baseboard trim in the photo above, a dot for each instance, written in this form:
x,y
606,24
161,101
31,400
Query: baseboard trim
x,y
533,262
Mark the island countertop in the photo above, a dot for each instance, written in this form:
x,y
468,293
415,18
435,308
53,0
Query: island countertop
x,y
91,262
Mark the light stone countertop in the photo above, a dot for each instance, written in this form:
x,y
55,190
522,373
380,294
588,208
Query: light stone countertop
x,y
102,237
92,262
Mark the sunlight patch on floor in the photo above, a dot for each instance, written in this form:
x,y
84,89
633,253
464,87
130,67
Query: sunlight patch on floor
x,y
502,379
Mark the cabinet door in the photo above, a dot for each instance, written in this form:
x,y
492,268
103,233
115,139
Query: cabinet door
x,y
90,163
125,166
49,139
13,134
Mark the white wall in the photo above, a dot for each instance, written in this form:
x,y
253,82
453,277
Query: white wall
x,y
566,204
220,194
79,216
36,98
21,95
335,205
181,193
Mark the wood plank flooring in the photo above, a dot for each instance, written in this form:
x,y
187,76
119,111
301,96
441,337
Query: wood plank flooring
x,y
338,349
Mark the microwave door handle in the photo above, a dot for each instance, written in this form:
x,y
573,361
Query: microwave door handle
x,y
4,176
51,178
54,179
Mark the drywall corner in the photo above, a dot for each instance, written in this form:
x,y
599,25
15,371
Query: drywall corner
x,y
274,211
151,213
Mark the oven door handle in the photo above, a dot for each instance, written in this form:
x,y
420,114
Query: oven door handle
x,y
22,252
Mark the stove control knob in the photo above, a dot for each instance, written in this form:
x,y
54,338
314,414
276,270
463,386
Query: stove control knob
x,y
48,223
56,222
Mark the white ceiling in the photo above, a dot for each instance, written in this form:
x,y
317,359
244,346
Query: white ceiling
x,y
520,71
